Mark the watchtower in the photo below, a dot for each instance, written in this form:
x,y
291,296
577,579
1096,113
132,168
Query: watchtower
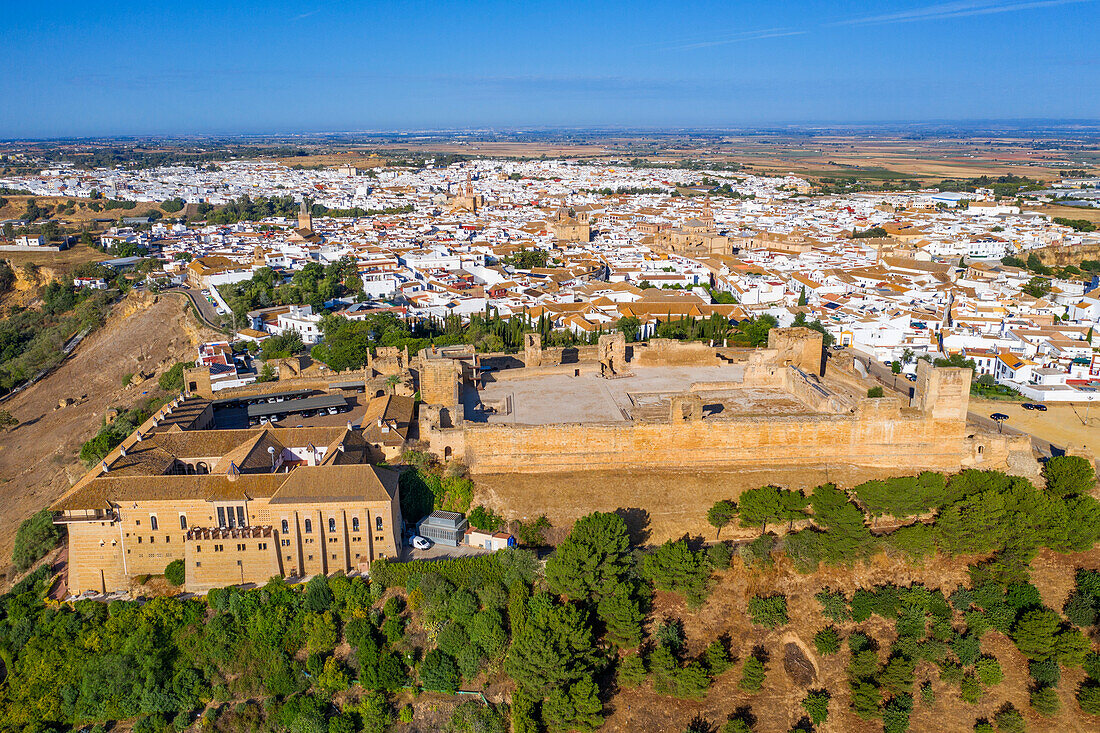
x,y
305,216
532,349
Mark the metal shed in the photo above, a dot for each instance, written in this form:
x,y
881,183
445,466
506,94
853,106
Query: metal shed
x,y
444,528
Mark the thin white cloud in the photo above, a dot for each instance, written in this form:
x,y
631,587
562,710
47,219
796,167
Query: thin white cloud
x,y
961,9
730,38
305,15
740,38
939,11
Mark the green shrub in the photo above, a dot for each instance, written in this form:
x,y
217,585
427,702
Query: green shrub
x,y
970,689
927,694
897,675
632,671
827,641
36,536
175,573
834,604
675,567
1092,665
989,671
916,541
485,519
438,672
717,657
1069,475
499,567
875,392
1088,696
768,611
172,379
1009,720
865,698
895,714
1045,701
816,705
758,553
753,674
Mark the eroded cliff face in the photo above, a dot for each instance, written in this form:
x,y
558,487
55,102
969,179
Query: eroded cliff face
x,y
28,282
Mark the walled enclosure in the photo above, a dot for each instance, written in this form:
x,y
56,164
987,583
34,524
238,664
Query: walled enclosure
x,y
838,425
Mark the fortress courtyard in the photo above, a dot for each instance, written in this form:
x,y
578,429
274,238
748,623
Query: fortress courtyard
x,y
643,396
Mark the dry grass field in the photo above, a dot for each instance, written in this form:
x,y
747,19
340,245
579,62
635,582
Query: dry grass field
x,y
81,215
658,505
1069,212
876,157
59,263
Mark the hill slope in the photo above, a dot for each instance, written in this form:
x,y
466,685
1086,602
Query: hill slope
x,y
38,458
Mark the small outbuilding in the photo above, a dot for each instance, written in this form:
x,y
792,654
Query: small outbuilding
x,y
443,528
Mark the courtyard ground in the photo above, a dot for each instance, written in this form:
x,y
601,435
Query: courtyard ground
x,y
1061,424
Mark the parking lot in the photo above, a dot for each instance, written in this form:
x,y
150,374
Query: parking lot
x,y
439,552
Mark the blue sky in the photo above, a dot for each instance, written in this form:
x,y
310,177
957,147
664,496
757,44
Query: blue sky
x,y
223,67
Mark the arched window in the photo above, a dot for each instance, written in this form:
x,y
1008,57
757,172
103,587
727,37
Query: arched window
x,y
309,526
378,523
286,527
331,524
202,469
183,521
355,524
153,522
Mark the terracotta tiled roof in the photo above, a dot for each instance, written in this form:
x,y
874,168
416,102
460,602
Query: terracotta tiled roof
x,y
337,483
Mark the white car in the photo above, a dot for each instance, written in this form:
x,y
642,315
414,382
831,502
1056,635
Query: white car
x,y
420,543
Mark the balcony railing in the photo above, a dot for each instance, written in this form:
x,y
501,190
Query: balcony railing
x,y
74,516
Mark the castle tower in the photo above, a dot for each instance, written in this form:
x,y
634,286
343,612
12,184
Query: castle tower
x,y
305,216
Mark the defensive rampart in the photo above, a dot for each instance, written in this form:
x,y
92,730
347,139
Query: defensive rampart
x,y
873,440
838,425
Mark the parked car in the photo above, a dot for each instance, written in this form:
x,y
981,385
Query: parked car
x,y
911,377
332,410
420,543
1035,406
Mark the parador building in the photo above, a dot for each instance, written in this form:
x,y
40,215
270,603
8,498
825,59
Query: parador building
x,y
237,506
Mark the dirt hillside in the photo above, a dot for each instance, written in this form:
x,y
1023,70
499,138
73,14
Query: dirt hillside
x,y
38,459
777,706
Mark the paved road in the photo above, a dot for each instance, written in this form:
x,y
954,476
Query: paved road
x,y
207,312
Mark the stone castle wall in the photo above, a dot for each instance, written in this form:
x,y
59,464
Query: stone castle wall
x,y
842,426
868,438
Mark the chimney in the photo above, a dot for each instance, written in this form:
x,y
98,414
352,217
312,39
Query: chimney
x,y
106,469
122,450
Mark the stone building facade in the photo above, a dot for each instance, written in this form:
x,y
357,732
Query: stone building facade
x,y
237,506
